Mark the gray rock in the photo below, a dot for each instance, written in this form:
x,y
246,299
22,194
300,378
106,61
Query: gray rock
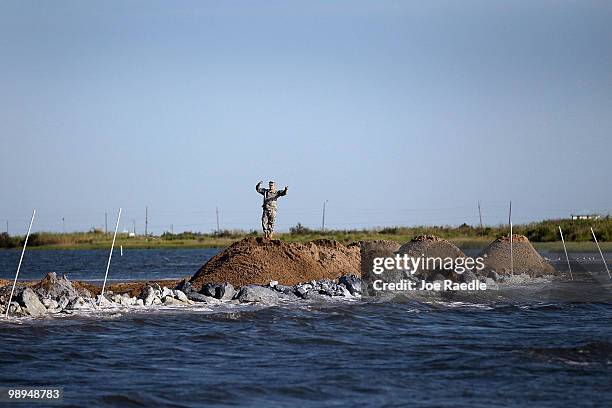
x,y
344,291
180,295
101,301
437,278
314,295
284,289
254,293
468,276
197,297
63,302
52,287
210,289
81,304
166,292
290,296
15,309
148,295
185,286
50,303
352,283
170,301
31,303
126,300
227,291
52,306
493,275
302,290
224,291
491,284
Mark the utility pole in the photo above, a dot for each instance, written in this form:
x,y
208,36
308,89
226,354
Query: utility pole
x,y
480,215
7,227
106,223
323,221
217,209
134,224
63,225
146,221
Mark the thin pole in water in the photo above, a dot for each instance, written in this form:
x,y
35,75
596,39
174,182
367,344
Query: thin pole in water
x,y
566,256
25,244
110,255
601,253
511,254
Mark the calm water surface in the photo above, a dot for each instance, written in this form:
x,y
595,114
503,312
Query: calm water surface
x,y
135,264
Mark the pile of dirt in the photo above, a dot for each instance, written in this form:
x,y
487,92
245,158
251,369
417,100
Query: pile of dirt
x,y
525,259
259,261
375,249
431,246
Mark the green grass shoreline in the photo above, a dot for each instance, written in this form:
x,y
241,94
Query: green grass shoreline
x,y
543,235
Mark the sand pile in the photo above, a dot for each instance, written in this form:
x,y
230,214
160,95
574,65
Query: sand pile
x,y
525,258
259,261
375,249
432,247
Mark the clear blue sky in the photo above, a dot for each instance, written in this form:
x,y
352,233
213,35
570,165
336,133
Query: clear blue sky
x,y
398,113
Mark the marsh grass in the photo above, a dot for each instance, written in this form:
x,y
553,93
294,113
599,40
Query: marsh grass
x,y
544,235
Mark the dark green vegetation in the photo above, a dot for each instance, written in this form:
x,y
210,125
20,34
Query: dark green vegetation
x,y
543,234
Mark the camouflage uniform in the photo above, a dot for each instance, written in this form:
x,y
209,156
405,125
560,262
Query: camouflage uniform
x,y
269,207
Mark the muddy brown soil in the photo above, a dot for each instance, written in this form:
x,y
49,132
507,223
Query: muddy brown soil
x,y
525,259
259,261
431,246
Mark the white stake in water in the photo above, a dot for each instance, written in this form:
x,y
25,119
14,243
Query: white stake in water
x,y
25,244
566,257
121,249
511,254
110,255
601,253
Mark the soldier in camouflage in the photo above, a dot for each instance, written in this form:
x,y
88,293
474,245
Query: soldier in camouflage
x,y
269,206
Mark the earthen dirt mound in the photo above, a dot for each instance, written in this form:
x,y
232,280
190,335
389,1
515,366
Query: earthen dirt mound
x,y
525,259
375,249
430,246
259,261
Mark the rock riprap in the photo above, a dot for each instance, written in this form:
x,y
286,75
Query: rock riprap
x,y
525,259
60,290
259,261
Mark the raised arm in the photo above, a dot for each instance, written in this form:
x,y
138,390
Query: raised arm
x,y
259,189
283,192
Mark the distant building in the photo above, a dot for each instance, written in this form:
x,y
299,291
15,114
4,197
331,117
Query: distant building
x,y
585,216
